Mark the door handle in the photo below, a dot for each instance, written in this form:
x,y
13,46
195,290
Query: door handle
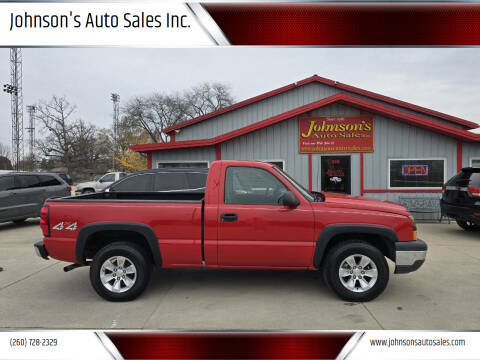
x,y
228,217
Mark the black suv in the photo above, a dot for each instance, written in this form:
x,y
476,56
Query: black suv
x,y
191,180
461,199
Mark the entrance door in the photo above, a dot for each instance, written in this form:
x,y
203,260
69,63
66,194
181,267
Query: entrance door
x,y
335,174
254,229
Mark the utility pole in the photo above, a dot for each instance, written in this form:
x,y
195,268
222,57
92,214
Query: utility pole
x,y
31,133
116,112
16,104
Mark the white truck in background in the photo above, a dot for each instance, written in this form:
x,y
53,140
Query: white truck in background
x,y
100,184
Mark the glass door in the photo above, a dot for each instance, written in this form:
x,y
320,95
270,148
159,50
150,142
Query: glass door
x,y
335,174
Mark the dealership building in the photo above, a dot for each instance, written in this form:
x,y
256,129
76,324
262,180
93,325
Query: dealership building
x,y
331,136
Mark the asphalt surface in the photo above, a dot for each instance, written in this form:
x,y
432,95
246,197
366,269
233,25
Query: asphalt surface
x,y
443,294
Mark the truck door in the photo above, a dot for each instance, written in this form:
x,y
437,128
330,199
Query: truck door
x,y
254,229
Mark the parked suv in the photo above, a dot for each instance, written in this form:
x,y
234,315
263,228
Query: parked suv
x,y
22,194
191,180
461,199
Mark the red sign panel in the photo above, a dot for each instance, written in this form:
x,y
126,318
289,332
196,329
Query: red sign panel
x,y
336,134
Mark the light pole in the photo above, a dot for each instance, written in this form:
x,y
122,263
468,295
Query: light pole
x,y
13,91
116,110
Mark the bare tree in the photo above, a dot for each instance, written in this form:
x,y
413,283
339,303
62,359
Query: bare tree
x,y
158,111
206,98
5,163
4,150
71,142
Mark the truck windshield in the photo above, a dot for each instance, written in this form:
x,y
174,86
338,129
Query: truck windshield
x,y
307,194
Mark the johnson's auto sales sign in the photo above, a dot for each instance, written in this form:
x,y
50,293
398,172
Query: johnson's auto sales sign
x,y
336,134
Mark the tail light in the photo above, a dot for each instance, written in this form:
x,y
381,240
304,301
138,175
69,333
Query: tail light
x,y
474,191
45,220
69,188
444,188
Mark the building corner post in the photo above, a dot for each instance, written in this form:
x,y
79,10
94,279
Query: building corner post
x,y
459,155
361,175
149,160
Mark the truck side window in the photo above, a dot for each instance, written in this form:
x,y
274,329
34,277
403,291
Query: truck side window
x,y
107,178
251,186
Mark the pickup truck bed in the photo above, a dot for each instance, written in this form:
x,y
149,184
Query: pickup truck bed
x,y
251,216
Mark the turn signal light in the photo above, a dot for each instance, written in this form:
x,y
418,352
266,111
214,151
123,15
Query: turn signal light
x,y
45,220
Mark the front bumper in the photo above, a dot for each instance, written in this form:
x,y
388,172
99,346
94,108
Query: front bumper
x,y
409,256
40,249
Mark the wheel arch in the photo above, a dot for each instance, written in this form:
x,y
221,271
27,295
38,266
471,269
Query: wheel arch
x,y
110,232
382,237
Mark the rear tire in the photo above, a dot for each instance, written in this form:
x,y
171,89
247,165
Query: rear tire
x,y
88,191
468,225
356,271
120,272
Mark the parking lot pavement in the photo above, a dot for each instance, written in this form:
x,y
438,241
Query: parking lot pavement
x,y
443,294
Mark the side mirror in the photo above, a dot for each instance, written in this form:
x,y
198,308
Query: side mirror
x,y
290,200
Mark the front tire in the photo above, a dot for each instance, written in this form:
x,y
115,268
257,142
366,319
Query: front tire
x,y
356,271
120,272
468,225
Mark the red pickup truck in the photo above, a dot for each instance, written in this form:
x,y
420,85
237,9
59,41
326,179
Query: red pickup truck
x,y
251,216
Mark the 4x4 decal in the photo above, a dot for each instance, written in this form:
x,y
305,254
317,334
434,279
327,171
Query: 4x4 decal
x,y
65,226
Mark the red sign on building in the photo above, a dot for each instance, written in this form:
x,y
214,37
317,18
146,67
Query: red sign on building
x,y
336,134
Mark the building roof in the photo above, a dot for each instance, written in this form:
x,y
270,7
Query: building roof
x,y
362,104
315,78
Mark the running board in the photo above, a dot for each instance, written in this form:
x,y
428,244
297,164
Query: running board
x,y
74,266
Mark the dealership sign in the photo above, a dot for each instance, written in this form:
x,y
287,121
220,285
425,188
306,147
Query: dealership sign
x,y
336,134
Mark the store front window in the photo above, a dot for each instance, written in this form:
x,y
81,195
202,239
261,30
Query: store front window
x,y
336,174
416,173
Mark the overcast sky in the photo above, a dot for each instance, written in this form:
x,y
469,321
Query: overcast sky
x,y
446,80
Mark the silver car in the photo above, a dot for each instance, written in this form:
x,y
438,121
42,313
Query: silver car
x,y
22,194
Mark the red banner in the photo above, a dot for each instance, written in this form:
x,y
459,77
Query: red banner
x,y
351,23
335,134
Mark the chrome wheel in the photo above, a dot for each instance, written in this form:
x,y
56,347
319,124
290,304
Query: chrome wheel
x,y
118,274
358,273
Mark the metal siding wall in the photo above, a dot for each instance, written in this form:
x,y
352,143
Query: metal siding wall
x,y
276,142
434,118
397,140
470,150
256,112
273,106
190,154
